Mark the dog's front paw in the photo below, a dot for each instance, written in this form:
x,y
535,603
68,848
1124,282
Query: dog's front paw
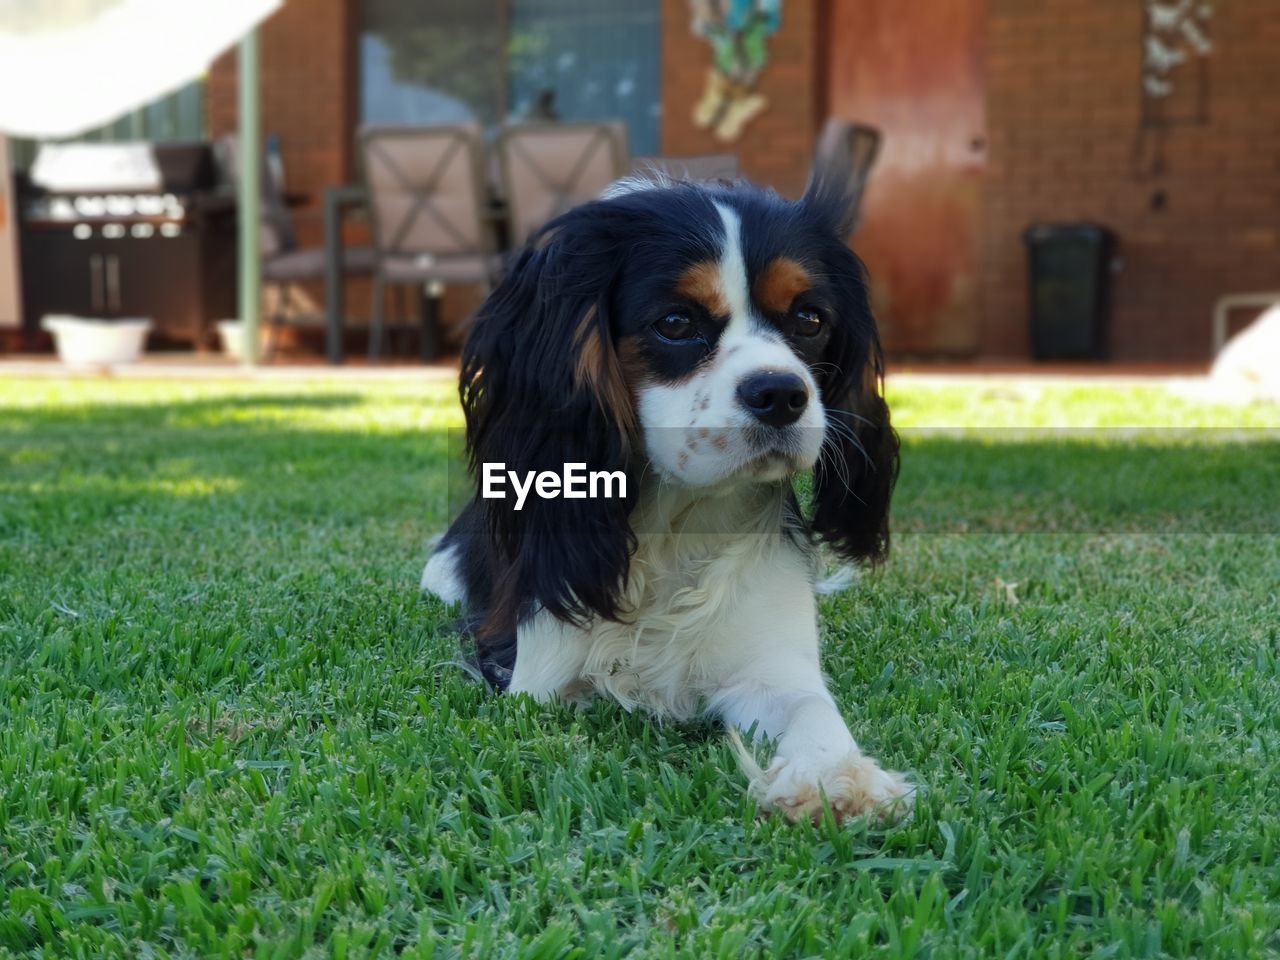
x,y
853,784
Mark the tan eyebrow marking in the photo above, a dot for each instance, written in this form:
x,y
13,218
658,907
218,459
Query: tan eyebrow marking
x,y
779,283
703,284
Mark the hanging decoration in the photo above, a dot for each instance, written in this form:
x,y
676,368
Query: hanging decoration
x,y
737,31
1176,45
1176,33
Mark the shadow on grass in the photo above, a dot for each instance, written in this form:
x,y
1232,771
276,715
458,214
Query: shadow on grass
x,y
213,462
224,449
143,411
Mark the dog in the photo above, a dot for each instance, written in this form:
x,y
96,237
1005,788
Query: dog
x,y
710,342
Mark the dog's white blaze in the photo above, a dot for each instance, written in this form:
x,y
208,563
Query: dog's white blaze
x,y
733,275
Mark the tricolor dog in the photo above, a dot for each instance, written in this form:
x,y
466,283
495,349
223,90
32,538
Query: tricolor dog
x,y
709,343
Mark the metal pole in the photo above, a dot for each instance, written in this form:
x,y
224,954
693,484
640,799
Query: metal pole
x,y
250,195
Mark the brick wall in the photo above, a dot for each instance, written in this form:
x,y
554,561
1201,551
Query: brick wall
x,y
776,146
1063,113
305,56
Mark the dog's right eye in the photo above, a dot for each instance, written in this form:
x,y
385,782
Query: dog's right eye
x,y
676,326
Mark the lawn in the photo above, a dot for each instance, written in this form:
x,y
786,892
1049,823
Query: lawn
x,y
230,726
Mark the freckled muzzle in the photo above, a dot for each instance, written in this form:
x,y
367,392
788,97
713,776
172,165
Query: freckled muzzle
x,y
753,412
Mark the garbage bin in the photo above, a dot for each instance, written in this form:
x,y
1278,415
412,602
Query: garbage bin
x,y
1069,267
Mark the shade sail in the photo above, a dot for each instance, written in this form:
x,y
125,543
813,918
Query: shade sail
x,y
67,66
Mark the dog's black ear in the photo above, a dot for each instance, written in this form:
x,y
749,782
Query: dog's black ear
x,y
542,386
854,479
845,155
855,476
831,197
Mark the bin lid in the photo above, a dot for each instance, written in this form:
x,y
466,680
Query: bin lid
x,y
1081,230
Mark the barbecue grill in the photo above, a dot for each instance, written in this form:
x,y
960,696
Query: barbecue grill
x,y
128,230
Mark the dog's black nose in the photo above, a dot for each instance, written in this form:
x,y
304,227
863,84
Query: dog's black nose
x,y
777,399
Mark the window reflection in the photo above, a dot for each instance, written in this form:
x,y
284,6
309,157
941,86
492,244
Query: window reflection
x,y
486,60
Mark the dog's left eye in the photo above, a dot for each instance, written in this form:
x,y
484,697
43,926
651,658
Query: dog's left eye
x,y
676,326
808,322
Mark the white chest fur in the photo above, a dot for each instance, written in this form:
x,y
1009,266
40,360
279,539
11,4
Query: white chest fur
x,y
694,591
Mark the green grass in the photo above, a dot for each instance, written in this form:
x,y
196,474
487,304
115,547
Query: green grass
x,y
230,726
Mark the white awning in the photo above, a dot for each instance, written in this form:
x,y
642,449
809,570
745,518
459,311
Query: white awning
x,y
67,66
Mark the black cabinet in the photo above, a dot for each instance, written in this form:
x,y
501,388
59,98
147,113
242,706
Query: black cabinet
x,y
59,275
181,276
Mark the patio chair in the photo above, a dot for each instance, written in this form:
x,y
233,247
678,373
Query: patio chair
x,y
428,210
285,265
844,145
548,168
709,166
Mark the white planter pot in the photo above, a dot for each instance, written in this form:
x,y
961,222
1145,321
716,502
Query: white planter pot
x,y
97,343
231,333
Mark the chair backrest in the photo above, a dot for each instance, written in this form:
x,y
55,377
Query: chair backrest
x,y
426,189
707,166
547,168
277,234
852,147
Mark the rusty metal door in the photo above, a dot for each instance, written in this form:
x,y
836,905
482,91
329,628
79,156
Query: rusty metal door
x,y
914,68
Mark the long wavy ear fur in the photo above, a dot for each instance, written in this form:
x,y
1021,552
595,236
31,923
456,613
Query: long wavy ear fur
x,y
541,387
854,480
